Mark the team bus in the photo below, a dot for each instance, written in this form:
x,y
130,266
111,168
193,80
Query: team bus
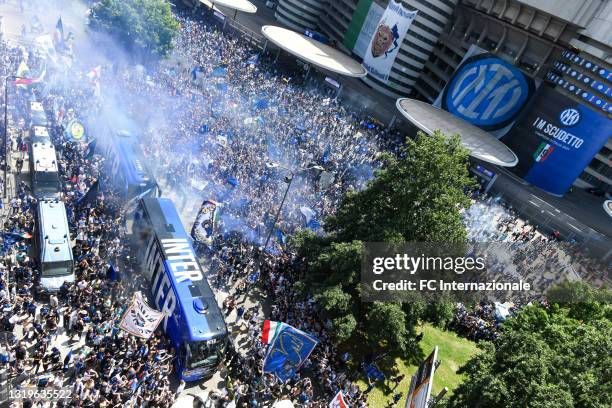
x,y
194,322
40,134
53,247
125,164
44,171
38,117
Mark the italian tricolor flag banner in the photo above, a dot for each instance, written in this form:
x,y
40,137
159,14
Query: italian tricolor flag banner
x,y
270,329
338,401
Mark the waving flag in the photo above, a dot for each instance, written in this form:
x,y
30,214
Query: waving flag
x,y
203,227
58,35
22,81
308,213
288,351
94,74
253,59
270,330
140,319
219,72
338,401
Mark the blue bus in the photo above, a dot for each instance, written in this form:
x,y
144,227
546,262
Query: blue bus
x,y
194,322
127,169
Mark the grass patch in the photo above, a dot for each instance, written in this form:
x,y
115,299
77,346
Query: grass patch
x,y
453,352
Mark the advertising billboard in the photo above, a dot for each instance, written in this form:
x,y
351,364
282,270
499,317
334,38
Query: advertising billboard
x,y
555,139
486,91
422,382
387,40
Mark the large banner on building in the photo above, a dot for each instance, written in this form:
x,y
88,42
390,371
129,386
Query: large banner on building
x,y
555,139
486,91
364,24
422,382
387,40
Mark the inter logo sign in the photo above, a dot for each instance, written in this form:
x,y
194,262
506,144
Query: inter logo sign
x,y
487,92
569,117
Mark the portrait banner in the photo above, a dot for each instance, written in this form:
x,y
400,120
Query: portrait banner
x,y
387,40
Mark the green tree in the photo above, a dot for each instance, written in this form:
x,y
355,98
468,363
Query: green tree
x,y
386,326
146,27
417,196
441,310
544,359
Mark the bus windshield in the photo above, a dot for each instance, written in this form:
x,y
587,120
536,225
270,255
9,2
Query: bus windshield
x,y
57,268
202,354
53,186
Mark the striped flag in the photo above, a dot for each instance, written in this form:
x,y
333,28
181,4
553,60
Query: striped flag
x,y
338,401
270,329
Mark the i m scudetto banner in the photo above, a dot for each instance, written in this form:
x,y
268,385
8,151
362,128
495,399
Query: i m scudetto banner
x,y
555,139
486,91
387,40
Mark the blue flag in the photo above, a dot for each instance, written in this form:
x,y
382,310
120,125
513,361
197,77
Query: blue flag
x,y
253,277
314,224
280,237
219,72
326,154
253,59
262,104
288,351
112,273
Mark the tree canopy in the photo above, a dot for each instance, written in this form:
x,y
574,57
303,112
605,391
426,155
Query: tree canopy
x,y
416,196
143,26
546,358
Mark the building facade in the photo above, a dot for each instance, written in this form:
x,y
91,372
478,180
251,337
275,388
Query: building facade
x,y
538,36
565,46
300,14
419,42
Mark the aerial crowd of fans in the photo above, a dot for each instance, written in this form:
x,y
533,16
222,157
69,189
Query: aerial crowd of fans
x,y
228,125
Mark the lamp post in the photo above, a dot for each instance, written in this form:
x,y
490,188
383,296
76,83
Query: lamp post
x,y
6,159
289,180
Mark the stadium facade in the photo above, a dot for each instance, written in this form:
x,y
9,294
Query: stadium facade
x,y
565,46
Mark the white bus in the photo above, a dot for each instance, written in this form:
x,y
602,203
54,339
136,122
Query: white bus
x,y
53,245
44,172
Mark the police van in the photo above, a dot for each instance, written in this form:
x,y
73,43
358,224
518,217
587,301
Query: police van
x,y
44,172
53,246
38,116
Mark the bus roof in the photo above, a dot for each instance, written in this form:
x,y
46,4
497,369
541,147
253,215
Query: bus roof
x,y
36,106
131,159
44,157
192,296
54,232
40,131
